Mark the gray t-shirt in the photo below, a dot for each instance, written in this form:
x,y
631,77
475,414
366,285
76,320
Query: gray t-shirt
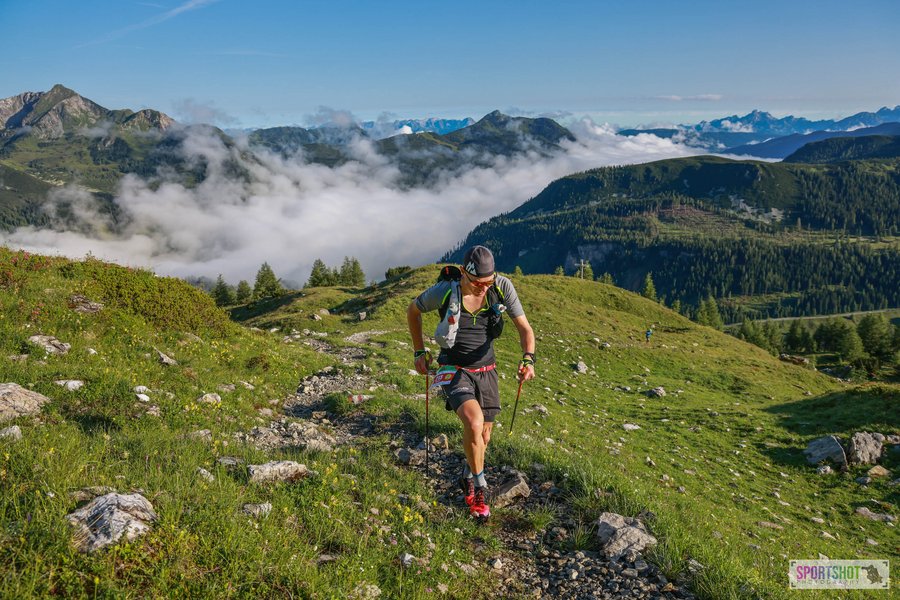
x,y
473,347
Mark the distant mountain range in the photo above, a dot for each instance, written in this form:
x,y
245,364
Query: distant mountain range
x,y
419,156
406,126
733,134
781,147
54,138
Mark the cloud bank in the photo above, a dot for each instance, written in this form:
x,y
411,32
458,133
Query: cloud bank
x,y
288,213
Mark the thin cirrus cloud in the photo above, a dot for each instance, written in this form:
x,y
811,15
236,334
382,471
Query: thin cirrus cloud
x,y
156,20
695,97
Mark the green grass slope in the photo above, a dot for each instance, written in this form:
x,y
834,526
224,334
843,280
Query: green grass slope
x,y
202,546
726,442
731,438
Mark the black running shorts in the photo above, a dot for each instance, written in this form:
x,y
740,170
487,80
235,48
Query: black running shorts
x,y
481,387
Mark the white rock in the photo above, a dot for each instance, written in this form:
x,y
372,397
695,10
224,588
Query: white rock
x,y
257,510
210,398
50,344
511,490
143,397
13,433
622,536
72,385
205,474
407,559
630,426
141,389
108,518
164,359
278,470
884,517
16,401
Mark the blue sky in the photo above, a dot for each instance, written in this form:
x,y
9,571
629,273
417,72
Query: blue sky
x,y
267,62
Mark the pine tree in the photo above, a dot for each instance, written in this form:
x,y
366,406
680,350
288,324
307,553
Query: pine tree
x,y
587,272
848,345
351,273
559,271
517,272
244,293
876,334
320,275
774,337
267,285
649,290
708,314
793,340
676,306
607,279
222,293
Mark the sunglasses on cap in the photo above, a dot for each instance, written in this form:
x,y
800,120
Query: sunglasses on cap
x,y
480,284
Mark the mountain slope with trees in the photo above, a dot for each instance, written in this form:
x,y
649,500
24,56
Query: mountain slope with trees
x,y
712,226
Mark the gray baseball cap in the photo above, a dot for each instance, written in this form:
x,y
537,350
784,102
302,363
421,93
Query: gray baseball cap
x,y
478,262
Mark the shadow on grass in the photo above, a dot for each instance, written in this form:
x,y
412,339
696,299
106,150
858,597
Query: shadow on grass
x,y
873,408
261,307
95,423
866,408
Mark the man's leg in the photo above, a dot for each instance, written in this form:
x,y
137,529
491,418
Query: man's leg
x,y
486,433
473,434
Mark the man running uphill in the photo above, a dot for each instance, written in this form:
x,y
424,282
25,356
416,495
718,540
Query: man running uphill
x,y
471,302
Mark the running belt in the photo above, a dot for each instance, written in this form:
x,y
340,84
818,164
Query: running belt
x,y
483,369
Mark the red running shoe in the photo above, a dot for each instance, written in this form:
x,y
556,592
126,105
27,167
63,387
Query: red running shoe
x,y
467,485
478,508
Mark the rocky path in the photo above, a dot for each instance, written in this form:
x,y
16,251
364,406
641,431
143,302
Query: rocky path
x,y
535,562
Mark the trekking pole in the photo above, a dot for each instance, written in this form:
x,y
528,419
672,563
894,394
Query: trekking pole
x,y
516,406
427,433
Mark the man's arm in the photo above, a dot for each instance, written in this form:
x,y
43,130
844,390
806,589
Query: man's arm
x,y
414,320
526,339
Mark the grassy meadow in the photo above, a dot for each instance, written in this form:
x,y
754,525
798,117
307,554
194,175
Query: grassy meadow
x,y
724,445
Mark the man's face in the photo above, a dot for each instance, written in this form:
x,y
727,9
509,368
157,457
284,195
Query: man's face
x,y
477,286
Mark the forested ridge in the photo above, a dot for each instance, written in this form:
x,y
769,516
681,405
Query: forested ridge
x,y
820,236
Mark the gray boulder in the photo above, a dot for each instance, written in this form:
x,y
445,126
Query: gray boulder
x,y
210,399
657,392
408,456
13,433
50,344
622,536
164,359
83,304
106,519
512,489
884,517
865,448
16,401
824,448
581,367
257,510
278,470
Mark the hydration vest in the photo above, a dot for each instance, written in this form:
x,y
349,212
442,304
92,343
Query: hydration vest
x,y
451,306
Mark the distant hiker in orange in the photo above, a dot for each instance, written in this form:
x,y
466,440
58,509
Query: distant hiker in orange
x,y
471,302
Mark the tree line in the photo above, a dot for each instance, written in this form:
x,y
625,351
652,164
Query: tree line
x,y
268,285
